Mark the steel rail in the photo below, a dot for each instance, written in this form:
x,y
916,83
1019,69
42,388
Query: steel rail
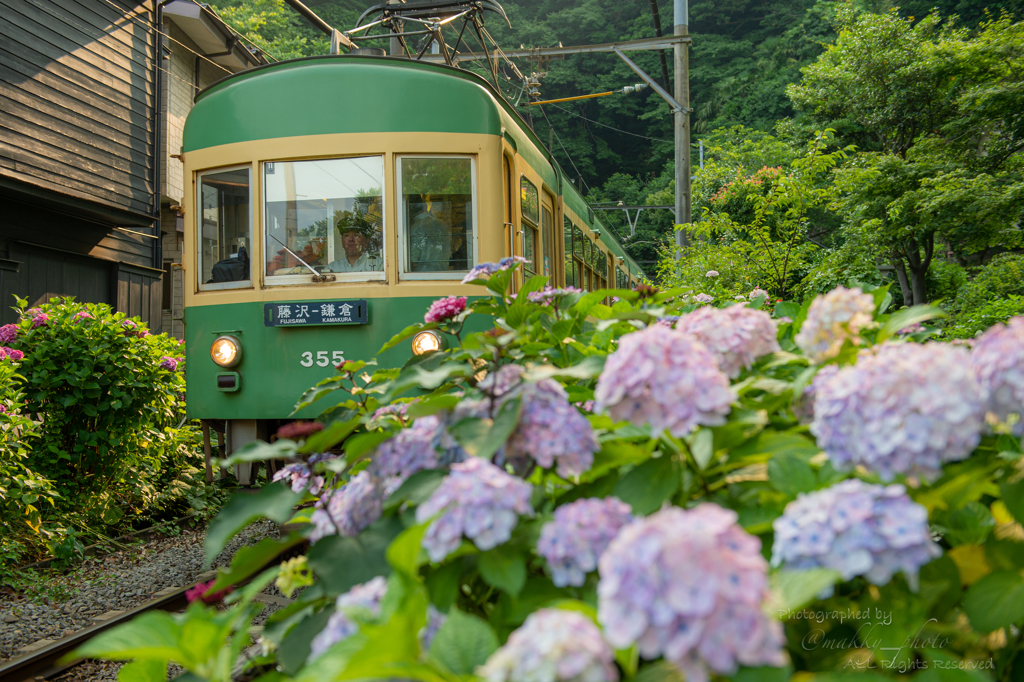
x,y
44,662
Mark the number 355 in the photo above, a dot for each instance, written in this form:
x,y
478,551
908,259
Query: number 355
x,y
322,359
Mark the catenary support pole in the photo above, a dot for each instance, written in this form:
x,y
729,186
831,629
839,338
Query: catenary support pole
x,y
682,121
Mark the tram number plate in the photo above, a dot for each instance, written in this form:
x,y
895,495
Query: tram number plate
x,y
309,313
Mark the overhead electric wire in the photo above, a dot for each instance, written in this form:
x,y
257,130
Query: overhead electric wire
x,y
605,125
564,150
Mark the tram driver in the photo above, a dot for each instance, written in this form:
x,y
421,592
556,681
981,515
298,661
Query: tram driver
x,y
357,234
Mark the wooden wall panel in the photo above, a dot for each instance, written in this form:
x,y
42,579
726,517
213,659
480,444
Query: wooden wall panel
x,y
77,98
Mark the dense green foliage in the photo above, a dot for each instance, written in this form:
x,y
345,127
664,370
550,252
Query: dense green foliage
x,y
92,428
755,463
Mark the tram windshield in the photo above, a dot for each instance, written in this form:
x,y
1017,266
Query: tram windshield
x,y
436,213
324,215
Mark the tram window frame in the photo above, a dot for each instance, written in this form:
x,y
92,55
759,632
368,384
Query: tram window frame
x,y
197,226
530,227
547,237
569,263
472,254
305,277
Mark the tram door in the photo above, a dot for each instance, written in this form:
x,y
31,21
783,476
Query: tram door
x,y
510,220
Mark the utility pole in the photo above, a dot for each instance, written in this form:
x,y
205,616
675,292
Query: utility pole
x,y
682,121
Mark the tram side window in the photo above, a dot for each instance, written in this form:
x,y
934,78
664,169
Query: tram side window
x,y
570,264
323,215
547,237
225,229
531,219
437,220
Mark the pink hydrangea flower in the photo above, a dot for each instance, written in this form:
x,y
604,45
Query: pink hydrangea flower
x,y
998,362
579,534
839,315
198,590
703,298
445,309
758,291
40,320
82,315
169,363
8,333
14,355
666,380
737,335
711,273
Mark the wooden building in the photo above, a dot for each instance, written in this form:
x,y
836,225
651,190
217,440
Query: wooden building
x,y
87,116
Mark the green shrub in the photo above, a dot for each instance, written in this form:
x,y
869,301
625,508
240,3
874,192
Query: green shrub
x,y
24,494
970,323
1003,276
944,280
103,390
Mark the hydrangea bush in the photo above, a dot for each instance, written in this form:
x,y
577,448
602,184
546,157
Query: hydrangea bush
x,y
591,489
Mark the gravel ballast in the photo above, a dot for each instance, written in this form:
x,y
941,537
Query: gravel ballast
x,y
115,582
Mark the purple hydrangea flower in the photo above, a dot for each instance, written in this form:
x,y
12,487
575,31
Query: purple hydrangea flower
x,y
904,408
839,315
411,450
511,261
553,645
481,271
546,295
803,407
703,298
169,363
8,333
478,500
998,362
3,409
14,355
362,600
711,273
855,529
737,335
41,320
397,410
299,476
435,621
666,380
347,510
576,539
551,431
689,586
444,309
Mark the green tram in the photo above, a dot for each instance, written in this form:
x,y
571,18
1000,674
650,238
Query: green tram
x,y
333,199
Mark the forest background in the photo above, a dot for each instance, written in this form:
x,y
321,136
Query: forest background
x,y
843,140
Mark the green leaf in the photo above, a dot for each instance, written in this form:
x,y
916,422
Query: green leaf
x,y
535,283
517,314
431,406
324,440
416,489
504,567
406,553
907,317
1013,498
482,437
406,333
659,671
295,647
793,590
361,443
775,444
648,485
152,635
969,525
791,475
463,642
702,447
252,559
144,670
589,368
342,562
995,601
274,502
258,451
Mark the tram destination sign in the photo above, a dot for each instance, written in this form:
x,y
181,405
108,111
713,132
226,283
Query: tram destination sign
x,y
311,313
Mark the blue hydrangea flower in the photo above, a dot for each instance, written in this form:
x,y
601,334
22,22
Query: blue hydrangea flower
x,y
998,362
579,535
666,380
904,408
553,646
689,585
478,500
411,450
551,431
347,510
435,621
737,335
362,600
856,529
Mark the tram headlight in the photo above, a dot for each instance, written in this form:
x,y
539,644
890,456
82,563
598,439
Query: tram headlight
x,y
426,342
226,351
